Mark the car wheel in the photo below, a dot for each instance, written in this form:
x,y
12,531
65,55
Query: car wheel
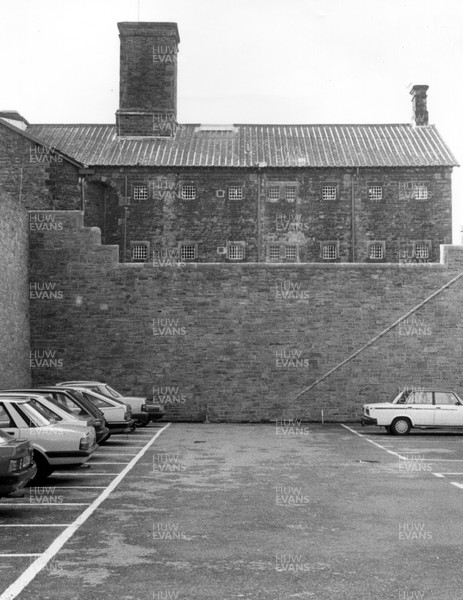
x,y
144,421
43,468
400,426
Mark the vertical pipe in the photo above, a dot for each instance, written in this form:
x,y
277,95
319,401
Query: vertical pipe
x,y
353,240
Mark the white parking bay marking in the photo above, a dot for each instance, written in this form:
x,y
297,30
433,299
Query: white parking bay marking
x,y
438,474
371,442
17,555
38,565
36,525
458,485
52,504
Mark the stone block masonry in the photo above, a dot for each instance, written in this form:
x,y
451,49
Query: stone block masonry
x,y
14,294
239,342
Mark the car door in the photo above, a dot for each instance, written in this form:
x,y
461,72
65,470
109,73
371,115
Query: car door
x,y
420,408
448,411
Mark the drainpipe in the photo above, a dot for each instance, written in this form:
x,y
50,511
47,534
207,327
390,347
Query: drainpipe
x,y
260,175
353,240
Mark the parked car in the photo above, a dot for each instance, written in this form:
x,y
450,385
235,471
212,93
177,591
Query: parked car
x,y
416,408
17,465
73,403
118,415
144,409
55,445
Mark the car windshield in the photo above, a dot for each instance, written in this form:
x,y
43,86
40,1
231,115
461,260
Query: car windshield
x,y
63,406
84,404
113,392
96,400
399,398
45,411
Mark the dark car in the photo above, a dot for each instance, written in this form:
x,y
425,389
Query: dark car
x,y
17,465
77,404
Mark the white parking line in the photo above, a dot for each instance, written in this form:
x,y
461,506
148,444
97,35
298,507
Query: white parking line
x,y
111,463
371,442
458,485
36,525
15,555
68,474
438,474
40,563
114,454
79,487
48,504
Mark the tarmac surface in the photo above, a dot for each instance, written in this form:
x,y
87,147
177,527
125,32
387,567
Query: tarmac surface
x,y
244,512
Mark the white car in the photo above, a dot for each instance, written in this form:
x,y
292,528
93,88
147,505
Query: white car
x,y
144,409
416,408
118,414
55,445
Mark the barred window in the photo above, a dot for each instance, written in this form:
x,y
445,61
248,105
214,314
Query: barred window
x,y
273,192
140,192
375,192
290,192
421,250
274,252
421,192
329,192
376,251
139,252
329,251
187,251
235,192
235,251
188,192
291,252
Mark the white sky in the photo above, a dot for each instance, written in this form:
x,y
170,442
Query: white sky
x,y
245,61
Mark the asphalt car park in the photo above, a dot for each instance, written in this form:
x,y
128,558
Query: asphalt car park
x,y
215,511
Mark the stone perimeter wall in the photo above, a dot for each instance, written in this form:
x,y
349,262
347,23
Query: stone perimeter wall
x,y
14,297
239,342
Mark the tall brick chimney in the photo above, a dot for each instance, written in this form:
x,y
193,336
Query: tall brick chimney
x,y
148,79
420,112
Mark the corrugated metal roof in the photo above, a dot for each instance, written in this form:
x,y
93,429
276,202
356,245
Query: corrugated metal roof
x,y
245,145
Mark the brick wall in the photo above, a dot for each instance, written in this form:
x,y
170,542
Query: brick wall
x,y
240,342
35,175
298,216
14,294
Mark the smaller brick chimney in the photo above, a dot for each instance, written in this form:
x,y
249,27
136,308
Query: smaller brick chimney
x,y
420,111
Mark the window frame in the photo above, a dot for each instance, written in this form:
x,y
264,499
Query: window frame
x,y
329,185
426,243
184,243
239,244
238,186
188,184
372,186
140,243
324,244
140,185
419,186
381,243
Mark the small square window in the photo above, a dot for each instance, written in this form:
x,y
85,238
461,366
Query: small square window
x,y
140,192
140,251
291,252
235,251
421,192
329,192
187,251
376,251
329,251
273,192
421,250
290,193
235,192
375,192
188,192
274,252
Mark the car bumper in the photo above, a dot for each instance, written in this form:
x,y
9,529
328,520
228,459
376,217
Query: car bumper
x,y
121,426
368,420
14,482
